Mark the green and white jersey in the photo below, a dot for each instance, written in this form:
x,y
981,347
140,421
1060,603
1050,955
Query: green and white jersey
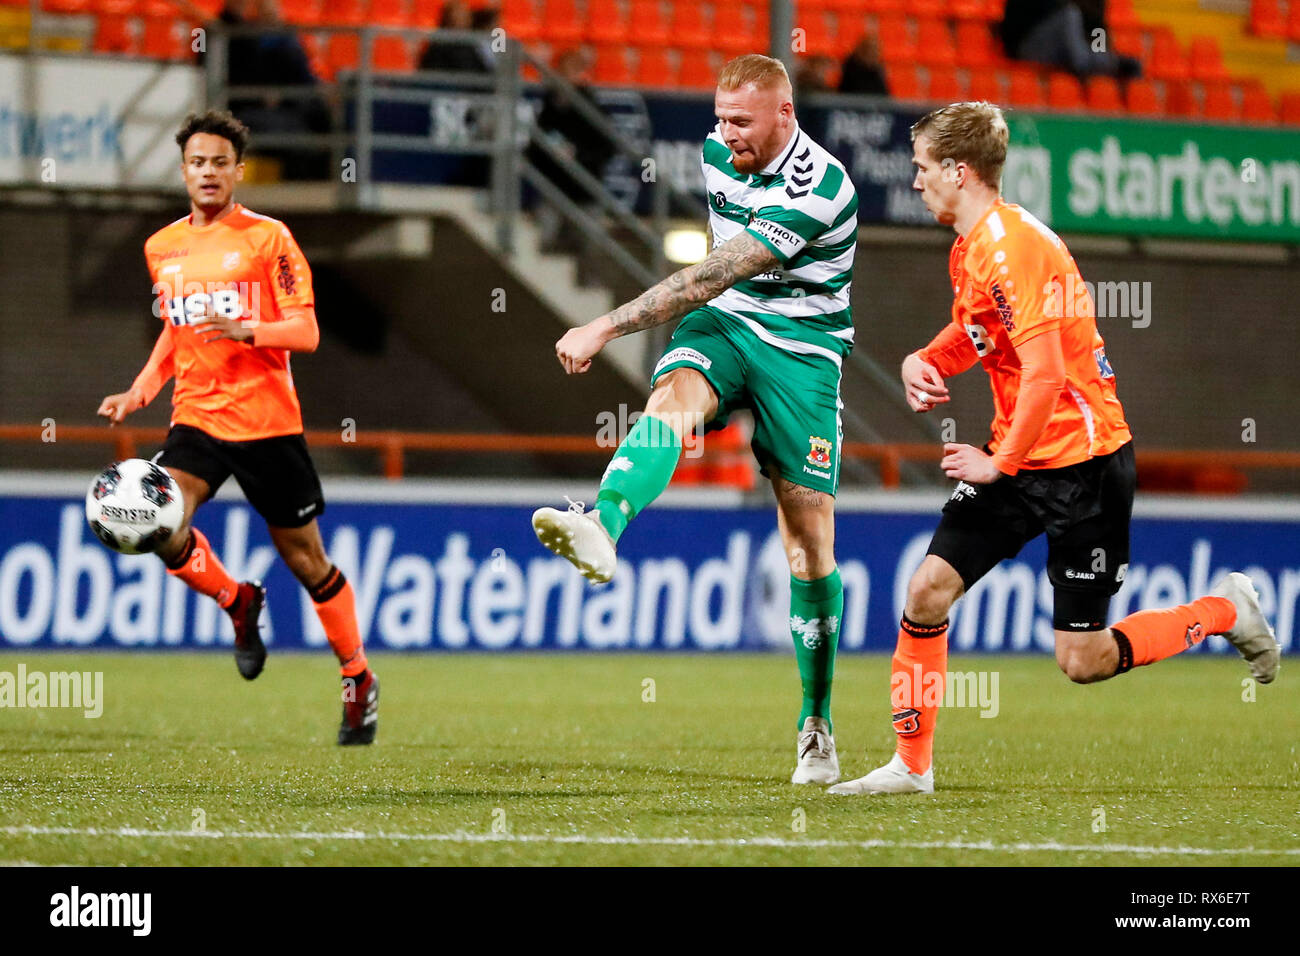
x,y
803,205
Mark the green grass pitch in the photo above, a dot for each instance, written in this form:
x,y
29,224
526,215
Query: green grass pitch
x,y
559,759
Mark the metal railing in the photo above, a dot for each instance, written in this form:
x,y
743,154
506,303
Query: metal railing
x,y
888,458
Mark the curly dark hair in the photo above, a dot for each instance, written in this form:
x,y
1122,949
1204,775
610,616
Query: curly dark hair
x,y
218,123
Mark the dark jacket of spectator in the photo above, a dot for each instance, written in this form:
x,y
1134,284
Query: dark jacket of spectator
x,y
861,72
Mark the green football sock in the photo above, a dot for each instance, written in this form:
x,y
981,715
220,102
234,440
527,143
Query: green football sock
x,y
816,608
638,473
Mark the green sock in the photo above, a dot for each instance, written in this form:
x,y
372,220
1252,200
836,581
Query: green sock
x,y
638,473
816,608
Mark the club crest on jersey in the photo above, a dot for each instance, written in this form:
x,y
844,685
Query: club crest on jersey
x,y
230,260
719,200
907,722
819,452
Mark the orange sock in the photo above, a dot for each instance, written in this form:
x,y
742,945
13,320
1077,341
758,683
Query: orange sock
x,y
1149,636
200,568
920,670
337,609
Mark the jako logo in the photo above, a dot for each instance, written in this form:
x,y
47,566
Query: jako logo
x,y
102,909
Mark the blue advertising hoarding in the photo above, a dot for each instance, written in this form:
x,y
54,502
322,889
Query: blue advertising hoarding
x,y
453,571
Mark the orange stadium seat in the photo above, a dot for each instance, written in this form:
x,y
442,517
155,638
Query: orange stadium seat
x,y
1289,108
1104,95
1166,61
1065,92
165,38
697,71
612,66
301,12
66,6
1143,99
651,24
393,54
343,13
1120,14
1220,103
945,86
735,29
967,10
1128,41
605,23
690,31
387,13
987,86
654,67
1026,89
113,34
425,14
1266,19
1206,59
1256,107
895,37
1293,23
561,24
817,36
934,46
519,19
926,8
1181,100
343,52
976,48
903,81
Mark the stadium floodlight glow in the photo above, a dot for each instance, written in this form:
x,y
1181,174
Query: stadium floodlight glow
x,y
685,245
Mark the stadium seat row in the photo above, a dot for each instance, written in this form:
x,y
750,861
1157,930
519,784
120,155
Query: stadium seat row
x,y
1275,19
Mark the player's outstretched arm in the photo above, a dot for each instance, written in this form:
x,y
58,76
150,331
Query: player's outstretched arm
x,y
155,374
741,257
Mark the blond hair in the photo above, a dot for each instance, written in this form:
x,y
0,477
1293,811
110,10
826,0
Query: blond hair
x,y
971,133
763,71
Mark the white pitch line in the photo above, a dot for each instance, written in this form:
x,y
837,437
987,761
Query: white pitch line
x,y
585,839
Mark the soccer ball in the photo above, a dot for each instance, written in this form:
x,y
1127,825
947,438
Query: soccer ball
x,y
133,506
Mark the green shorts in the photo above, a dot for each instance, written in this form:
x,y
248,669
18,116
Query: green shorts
x,y
795,399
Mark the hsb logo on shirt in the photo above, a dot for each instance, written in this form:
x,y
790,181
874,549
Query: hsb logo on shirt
x,y
197,301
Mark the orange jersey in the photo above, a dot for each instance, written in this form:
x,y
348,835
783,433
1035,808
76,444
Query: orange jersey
x,y
1013,279
244,265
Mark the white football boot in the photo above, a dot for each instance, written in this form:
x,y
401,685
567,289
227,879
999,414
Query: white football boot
x,y
579,537
815,751
893,777
1251,635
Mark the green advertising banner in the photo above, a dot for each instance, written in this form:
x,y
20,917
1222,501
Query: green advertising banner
x,y
1158,179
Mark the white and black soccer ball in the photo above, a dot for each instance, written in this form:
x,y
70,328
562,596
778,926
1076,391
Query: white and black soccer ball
x,y
133,506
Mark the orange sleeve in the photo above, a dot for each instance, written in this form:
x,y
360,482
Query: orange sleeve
x,y
950,352
296,331
1042,376
158,371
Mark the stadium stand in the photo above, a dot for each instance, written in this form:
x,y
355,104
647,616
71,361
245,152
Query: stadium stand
x,y
1223,66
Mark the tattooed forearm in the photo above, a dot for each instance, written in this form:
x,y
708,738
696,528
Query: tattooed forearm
x,y
739,258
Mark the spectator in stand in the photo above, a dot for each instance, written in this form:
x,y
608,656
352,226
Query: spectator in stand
x,y
812,74
1062,33
461,55
274,57
862,72
567,127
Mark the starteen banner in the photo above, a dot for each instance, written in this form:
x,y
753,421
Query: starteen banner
x,y
456,568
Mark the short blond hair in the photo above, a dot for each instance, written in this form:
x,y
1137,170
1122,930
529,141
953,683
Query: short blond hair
x,y
763,71
974,133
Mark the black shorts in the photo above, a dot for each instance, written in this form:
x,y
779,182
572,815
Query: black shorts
x,y
276,474
1085,509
